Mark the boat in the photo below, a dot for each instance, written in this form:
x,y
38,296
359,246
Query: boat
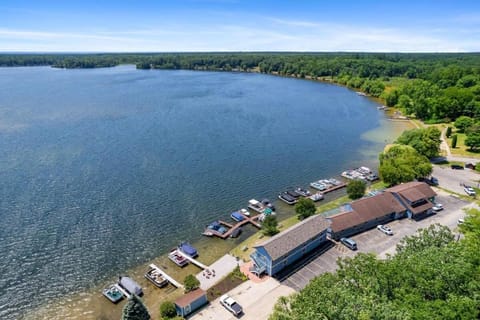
x,y
361,93
256,206
245,212
156,277
268,204
287,198
188,249
318,185
303,192
236,233
177,258
266,213
130,285
112,293
237,216
316,197
214,227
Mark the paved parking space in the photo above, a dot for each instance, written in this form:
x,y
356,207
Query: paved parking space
x,y
374,241
455,179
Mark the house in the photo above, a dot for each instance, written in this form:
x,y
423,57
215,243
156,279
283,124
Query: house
x,y
365,214
416,197
290,245
190,302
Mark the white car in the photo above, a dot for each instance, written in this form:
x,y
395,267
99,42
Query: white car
x,y
437,207
231,305
385,229
469,190
461,221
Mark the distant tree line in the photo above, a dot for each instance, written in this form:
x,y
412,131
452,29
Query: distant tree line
x,y
436,87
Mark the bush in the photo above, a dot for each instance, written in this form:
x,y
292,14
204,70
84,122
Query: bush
x,y
454,141
356,189
269,225
191,283
449,132
305,208
167,310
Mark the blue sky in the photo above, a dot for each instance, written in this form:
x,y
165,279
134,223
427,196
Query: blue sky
x,y
231,25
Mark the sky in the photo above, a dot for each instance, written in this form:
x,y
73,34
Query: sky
x,y
235,25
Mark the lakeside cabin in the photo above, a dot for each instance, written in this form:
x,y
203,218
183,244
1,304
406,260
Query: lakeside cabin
x,y
190,302
290,245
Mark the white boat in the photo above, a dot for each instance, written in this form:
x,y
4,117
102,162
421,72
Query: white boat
x,y
256,206
316,197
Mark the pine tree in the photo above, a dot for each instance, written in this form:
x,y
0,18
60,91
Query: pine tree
x,y
135,310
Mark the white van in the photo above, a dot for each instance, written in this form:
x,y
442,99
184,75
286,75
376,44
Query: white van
x,y
349,243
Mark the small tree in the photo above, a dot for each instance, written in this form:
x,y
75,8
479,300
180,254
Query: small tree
x,y
463,123
305,208
473,140
191,283
167,310
454,141
269,225
449,132
356,189
135,310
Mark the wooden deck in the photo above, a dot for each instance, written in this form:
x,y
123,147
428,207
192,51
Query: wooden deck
x,y
232,228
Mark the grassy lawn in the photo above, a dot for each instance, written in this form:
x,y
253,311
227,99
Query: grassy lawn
x,y
461,149
244,249
232,280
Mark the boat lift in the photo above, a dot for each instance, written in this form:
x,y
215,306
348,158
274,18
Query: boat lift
x,y
195,262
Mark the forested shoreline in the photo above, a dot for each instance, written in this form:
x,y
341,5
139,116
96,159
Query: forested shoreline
x,y
434,87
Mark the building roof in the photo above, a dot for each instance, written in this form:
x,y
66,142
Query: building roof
x,y
366,209
190,297
413,191
293,237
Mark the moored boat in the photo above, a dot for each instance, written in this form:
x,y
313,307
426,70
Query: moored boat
x,y
303,192
287,198
268,204
112,293
130,286
236,233
256,206
177,258
318,185
188,249
156,278
316,197
237,216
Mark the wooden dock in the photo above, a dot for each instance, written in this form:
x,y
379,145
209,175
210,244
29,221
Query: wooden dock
x,y
333,188
232,228
166,276
192,260
123,291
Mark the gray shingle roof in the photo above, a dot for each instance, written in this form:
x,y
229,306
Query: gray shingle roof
x,y
293,237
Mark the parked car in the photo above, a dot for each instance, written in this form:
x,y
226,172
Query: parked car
x,y
430,181
469,190
385,229
437,207
461,221
349,243
470,166
456,167
231,305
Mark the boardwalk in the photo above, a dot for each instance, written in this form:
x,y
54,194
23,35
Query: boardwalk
x,y
232,228
166,276
333,188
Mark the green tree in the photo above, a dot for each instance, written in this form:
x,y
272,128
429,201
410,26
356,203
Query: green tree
x,y
270,225
463,123
356,189
135,310
167,310
448,133
454,141
425,140
473,140
435,235
305,208
191,283
401,163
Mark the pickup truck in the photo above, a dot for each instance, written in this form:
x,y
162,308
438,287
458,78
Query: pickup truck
x,y
231,305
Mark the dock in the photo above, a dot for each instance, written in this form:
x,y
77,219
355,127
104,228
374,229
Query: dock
x,y
166,276
333,188
123,291
192,260
232,228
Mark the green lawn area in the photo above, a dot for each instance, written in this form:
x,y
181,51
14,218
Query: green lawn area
x,y
244,249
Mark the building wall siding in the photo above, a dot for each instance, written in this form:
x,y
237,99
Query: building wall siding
x,y
362,227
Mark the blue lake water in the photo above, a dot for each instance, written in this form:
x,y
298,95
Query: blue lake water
x,y
102,170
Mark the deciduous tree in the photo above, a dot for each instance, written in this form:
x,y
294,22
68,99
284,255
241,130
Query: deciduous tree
x,y
305,208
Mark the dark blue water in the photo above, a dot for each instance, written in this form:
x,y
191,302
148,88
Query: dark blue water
x,y
102,170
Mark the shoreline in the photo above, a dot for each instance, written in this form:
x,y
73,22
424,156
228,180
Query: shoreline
x,y
153,296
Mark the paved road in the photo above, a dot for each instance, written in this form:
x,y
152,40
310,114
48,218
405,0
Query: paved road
x,y
454,180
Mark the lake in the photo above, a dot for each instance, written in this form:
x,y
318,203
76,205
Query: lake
x,y
103,170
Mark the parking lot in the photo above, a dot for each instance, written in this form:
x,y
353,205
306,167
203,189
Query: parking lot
x,y
455,179
374,241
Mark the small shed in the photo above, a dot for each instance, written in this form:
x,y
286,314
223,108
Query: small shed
x,y
190,302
